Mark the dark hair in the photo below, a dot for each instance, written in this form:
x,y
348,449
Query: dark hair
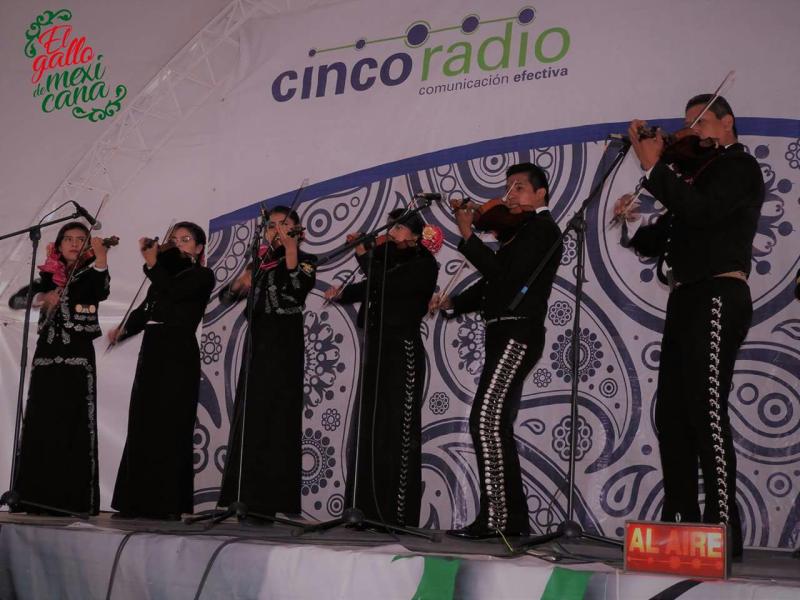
x,y
536,176
413,221
62,232
197,232
286,212
720,107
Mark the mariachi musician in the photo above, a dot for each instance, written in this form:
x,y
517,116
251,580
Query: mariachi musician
x,y
271,413
388,477
58,462
713,191
514,339
156,473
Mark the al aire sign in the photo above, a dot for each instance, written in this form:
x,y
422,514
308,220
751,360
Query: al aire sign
x,y
686,549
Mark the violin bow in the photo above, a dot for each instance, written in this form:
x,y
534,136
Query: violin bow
x,y
446,290
126,316
727,82
73,270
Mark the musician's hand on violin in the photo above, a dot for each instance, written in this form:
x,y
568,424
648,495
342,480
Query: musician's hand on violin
x,y
625,207
49,300
287,240
332,292
648,150
241,285
464,216
114,334
100,253
360,249
149,254
438,302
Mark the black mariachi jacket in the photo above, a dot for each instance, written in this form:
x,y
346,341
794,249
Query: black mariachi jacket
x,y
77,312
710,224
279,291
506,271
175,297
410,275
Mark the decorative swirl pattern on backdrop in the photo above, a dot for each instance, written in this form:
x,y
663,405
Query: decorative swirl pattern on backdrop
x,y
618,472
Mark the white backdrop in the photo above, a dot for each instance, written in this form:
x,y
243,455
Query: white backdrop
x,y
366,151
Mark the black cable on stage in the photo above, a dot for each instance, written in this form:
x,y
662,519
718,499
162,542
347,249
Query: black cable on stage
x,y
115,564
211,561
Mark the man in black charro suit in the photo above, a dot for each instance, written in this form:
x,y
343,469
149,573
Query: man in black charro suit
x,y
705,238
514,342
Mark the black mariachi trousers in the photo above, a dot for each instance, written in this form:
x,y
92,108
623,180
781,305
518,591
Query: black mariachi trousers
x,y
706,323
511,352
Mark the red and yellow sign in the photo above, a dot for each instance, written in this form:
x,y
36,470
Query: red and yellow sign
x,y
689,549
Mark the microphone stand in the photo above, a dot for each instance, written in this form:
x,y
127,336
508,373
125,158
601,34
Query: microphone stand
x,y
352,515
11,497
569,528
238,508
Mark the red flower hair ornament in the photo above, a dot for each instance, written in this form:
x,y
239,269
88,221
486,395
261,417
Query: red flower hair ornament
x,y
432,238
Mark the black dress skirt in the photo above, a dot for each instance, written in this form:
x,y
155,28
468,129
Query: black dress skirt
x,y
58,462
386,480
156,473
267,475
272,418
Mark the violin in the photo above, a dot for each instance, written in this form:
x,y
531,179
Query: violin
x,y
172,258
88,257
684,149
296,231
383,239
495,216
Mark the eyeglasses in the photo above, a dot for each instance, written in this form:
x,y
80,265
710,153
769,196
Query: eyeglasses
x,y
69,238
184,238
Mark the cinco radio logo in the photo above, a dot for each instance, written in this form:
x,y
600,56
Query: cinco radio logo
x,y
68,73
486,50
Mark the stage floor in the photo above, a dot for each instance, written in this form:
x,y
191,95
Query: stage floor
x,y
52,557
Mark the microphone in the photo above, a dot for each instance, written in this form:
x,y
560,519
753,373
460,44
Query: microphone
x,y
87,215
428,196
